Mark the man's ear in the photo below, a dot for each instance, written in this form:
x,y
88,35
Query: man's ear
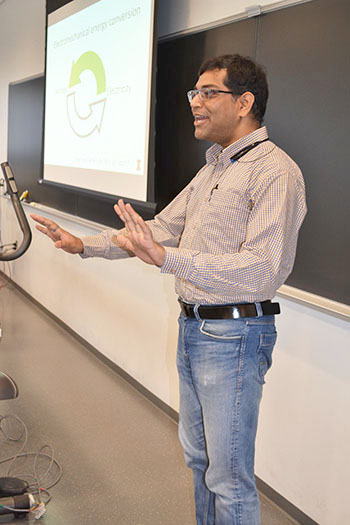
x,y
246,101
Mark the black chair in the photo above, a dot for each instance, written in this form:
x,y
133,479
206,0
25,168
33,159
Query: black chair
x,y
8,388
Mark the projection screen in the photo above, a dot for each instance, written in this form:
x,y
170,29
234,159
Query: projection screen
x,y
98,96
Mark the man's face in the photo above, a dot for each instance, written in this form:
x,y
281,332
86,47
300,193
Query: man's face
x,y
217,118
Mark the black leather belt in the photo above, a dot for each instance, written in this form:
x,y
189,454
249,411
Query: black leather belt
x,y
230,311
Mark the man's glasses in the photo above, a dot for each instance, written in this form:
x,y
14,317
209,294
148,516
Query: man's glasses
x,y
204,93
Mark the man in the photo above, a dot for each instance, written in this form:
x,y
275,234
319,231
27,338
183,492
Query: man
x,y
229,238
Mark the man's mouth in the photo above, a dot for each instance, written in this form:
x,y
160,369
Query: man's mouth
x,y
199,119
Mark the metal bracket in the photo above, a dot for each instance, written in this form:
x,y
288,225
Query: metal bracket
x,y
253,10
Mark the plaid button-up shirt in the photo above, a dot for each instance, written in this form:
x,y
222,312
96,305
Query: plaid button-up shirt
x,y
231,233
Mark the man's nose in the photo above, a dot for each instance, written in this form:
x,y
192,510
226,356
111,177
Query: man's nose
x,y
196,101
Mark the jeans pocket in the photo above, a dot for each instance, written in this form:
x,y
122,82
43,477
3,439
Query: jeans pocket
x,y
265,348
222,329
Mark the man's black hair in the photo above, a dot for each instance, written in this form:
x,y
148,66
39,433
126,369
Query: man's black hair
x,y
243,74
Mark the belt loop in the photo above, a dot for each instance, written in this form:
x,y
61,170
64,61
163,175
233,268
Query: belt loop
x,y
195,312
259,311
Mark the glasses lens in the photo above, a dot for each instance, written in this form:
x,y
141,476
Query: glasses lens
x,y
204,94
191,94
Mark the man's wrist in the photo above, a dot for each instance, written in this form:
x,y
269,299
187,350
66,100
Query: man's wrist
x,y
79,248
162,256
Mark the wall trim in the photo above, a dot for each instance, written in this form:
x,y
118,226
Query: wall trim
x,y
323,304
282,4
281,502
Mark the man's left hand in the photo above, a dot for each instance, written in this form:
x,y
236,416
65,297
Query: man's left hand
x,y
139,239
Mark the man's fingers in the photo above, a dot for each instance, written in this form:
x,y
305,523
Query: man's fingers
x,y
48,227
135,217
41,229
46,231
139,234
52,226
129,222
38,218
117,209
144,228
124,216
138,221
121,209
128,215
124,243
61,238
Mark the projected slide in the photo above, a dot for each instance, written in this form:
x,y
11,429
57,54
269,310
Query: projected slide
x,y
97,99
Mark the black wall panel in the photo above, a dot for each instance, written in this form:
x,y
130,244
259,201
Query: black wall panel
x,y
306,52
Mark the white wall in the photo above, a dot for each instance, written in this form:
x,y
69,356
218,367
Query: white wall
x,y
304,431
22,50
128,312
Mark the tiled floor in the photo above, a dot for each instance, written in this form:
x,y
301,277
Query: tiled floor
x,y
122,463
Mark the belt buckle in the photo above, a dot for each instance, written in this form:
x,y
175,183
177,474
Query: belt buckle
x,y
236,314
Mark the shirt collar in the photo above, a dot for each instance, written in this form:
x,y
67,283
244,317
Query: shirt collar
x,y
216,153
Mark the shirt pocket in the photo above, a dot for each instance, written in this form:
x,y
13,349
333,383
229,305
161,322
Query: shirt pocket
x,y
225,217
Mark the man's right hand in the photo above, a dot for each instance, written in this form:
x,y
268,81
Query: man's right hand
x,y
61,239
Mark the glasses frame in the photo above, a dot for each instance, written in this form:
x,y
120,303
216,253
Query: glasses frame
x,y
192,93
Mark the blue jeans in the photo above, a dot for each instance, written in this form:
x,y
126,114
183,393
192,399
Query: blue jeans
x,y
221,365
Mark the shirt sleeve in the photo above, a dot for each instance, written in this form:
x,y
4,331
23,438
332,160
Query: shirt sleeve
x,y
104,244
166,229
265,258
